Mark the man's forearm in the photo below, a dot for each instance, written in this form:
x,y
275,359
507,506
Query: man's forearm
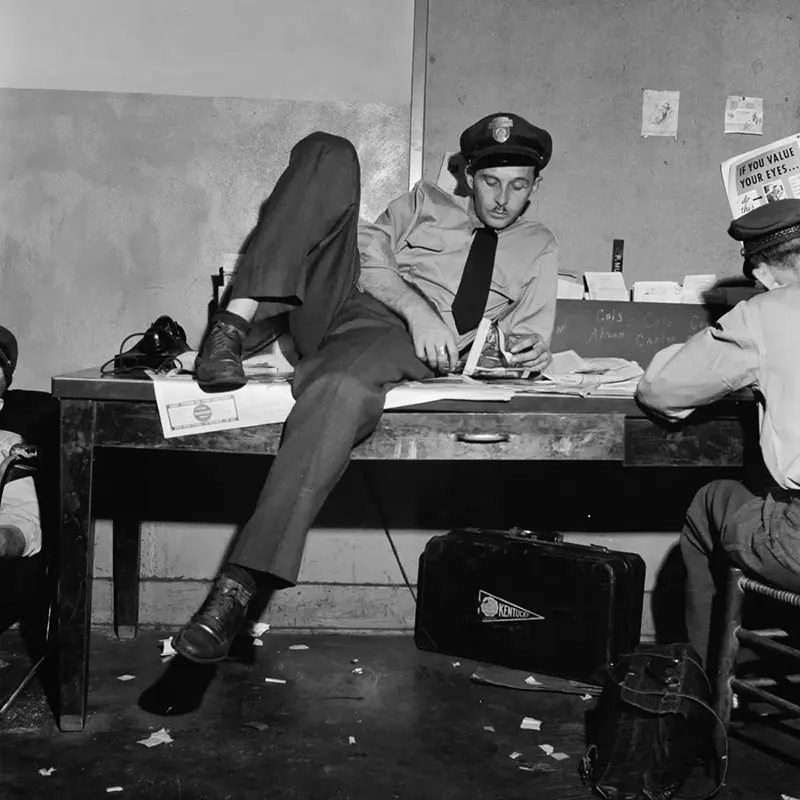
x,y
388,287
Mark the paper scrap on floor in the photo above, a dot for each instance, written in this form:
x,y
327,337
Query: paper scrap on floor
x,y
507,677
599,377
159,737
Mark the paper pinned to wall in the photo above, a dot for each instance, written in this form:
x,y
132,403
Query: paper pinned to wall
x,y
744,115
660,113
763,175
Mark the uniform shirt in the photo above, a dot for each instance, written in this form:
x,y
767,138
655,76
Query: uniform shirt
x,y
19,505
756,344
425,237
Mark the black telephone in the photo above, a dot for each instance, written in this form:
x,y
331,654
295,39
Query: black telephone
x,y
161,344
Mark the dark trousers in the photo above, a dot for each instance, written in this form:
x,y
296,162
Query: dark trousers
x,y
727,524
303,259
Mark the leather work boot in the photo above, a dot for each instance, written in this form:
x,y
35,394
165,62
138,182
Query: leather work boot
x,y
218,366
208,635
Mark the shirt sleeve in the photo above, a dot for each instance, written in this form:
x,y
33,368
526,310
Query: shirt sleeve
x,y
19,505
535,310
714,362
379,241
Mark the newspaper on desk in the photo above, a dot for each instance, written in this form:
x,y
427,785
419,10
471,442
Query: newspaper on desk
x,y
599,377
185,409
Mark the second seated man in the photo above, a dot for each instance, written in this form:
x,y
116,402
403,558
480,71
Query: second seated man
x,y
368,307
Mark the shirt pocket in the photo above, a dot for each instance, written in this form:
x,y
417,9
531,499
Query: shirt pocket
x,y
429,241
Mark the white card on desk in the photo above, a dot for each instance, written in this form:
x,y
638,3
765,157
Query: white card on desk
x,y
698,288
606,286
569,290
657,292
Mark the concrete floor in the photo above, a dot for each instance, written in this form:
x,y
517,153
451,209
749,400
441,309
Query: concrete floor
x,y
417,719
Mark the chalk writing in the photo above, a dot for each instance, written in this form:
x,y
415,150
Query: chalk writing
x,y
659,340
653,320
602,334
608,315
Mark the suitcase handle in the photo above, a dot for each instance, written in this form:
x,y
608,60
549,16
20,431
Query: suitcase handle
x,y
540,536
483,438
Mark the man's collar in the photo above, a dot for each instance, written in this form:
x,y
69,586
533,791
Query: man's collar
x,y
474,222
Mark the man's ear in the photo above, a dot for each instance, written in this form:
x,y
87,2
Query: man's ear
x,y
470,178
763,274
537,182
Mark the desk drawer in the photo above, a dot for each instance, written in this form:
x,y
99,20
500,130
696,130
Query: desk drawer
x,y
506,436
721,444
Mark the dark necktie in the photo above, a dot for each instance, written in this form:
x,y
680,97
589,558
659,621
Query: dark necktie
x,y
473,290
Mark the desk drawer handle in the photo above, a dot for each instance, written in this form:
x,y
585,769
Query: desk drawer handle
x,y
483,438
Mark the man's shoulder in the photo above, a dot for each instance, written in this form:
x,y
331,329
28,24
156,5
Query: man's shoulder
x,y
531,227
783,296
432,192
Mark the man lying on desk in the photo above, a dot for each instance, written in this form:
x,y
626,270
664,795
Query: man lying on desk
x,y
20,529
367,307
756,344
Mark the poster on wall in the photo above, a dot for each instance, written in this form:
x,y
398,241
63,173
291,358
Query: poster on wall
x,y
744,115
660,113
763,175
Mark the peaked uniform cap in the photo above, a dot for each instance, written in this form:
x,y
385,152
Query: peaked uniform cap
x,y
765,226
505,139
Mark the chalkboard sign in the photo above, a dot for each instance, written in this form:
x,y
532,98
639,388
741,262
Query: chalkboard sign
x,y
636,331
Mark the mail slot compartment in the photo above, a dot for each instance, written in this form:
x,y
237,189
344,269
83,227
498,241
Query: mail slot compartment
x,y
506,436
718,444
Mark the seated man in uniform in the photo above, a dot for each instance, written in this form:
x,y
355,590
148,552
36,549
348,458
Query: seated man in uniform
x,y
756,344
20,529
367,308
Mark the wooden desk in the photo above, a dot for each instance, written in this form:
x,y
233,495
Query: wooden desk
x,y
110,412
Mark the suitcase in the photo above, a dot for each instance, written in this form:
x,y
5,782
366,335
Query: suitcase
x,y
529,601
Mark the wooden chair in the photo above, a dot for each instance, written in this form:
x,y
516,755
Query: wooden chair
x,y
763,641
21,462
34,416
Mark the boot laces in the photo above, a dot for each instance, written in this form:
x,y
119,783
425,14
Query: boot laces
x,y
222,340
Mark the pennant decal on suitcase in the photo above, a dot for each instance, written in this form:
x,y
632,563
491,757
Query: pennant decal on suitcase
x,y
492,608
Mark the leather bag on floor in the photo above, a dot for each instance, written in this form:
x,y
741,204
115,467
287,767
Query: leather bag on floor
x,y
653,727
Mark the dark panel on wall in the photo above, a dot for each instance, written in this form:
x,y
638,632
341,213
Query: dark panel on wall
x,y
578,68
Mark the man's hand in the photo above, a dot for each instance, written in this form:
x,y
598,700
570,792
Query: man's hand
x,y
530,352
433,341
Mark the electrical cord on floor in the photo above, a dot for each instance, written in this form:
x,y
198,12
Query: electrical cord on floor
x,y
374,493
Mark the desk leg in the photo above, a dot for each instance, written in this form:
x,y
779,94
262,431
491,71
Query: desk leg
x,y
76,560
126,547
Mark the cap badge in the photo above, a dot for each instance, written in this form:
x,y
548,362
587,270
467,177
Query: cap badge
x,y
501,128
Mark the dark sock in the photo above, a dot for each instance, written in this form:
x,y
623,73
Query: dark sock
x,y
254,580
240,323
247,577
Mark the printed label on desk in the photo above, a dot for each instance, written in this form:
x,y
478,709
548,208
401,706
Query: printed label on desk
x,y
202,413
